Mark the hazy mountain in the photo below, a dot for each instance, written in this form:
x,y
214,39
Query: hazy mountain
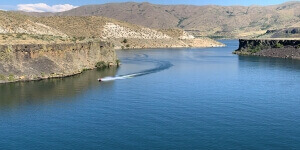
x,y
209,20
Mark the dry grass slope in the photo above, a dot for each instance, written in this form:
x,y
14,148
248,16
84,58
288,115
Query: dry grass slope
x,y
22,29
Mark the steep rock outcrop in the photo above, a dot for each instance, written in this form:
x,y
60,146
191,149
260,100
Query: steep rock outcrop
x,y
38,61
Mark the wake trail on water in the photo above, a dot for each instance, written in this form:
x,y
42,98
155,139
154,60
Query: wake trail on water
x,y
160,66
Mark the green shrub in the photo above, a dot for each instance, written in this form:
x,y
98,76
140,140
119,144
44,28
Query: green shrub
x,y
2,77
118,62
125,41
11,77
85,69
127,45
101,65
19,35
255,50
74,39
81,38
43,74
278,45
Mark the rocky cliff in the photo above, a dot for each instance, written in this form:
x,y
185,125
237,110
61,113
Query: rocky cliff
x,y
282,48
40,61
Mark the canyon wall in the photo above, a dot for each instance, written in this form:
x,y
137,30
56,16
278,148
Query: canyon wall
x,y
39,61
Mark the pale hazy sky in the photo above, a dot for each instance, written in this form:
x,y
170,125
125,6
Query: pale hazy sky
x,y
61,5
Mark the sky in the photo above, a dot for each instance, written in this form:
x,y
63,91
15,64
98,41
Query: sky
x,y
63,5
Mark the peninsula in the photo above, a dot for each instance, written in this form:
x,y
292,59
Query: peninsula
x,y
280,48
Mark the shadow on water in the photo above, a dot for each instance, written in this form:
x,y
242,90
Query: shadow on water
x,y
15,94
257,61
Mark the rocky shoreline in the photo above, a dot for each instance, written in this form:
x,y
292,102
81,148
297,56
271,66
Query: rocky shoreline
x,y
165,43
279,48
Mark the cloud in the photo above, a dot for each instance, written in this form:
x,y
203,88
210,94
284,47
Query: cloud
x,y
42,7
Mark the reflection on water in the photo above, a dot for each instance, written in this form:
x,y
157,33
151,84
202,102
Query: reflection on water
x,y
257,61
15,94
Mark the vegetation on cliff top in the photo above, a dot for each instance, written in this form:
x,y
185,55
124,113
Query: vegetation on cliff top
x,y
278,45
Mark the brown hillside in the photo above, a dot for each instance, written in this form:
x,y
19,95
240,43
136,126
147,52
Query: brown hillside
x,y
211,20
16,28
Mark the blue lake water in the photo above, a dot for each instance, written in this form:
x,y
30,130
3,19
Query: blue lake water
x,y
203,98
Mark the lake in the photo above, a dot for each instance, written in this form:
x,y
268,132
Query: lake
x,y
199,98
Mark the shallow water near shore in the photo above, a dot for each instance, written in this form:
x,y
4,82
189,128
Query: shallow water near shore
x,y
205,98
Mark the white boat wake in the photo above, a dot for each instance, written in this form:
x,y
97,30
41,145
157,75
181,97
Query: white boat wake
x,y
117,78
161,65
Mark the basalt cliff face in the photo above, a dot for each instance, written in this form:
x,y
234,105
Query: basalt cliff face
x,y
40,61
281,48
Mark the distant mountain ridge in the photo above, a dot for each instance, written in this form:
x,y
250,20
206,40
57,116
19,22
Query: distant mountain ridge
x,y
16,28
210,20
